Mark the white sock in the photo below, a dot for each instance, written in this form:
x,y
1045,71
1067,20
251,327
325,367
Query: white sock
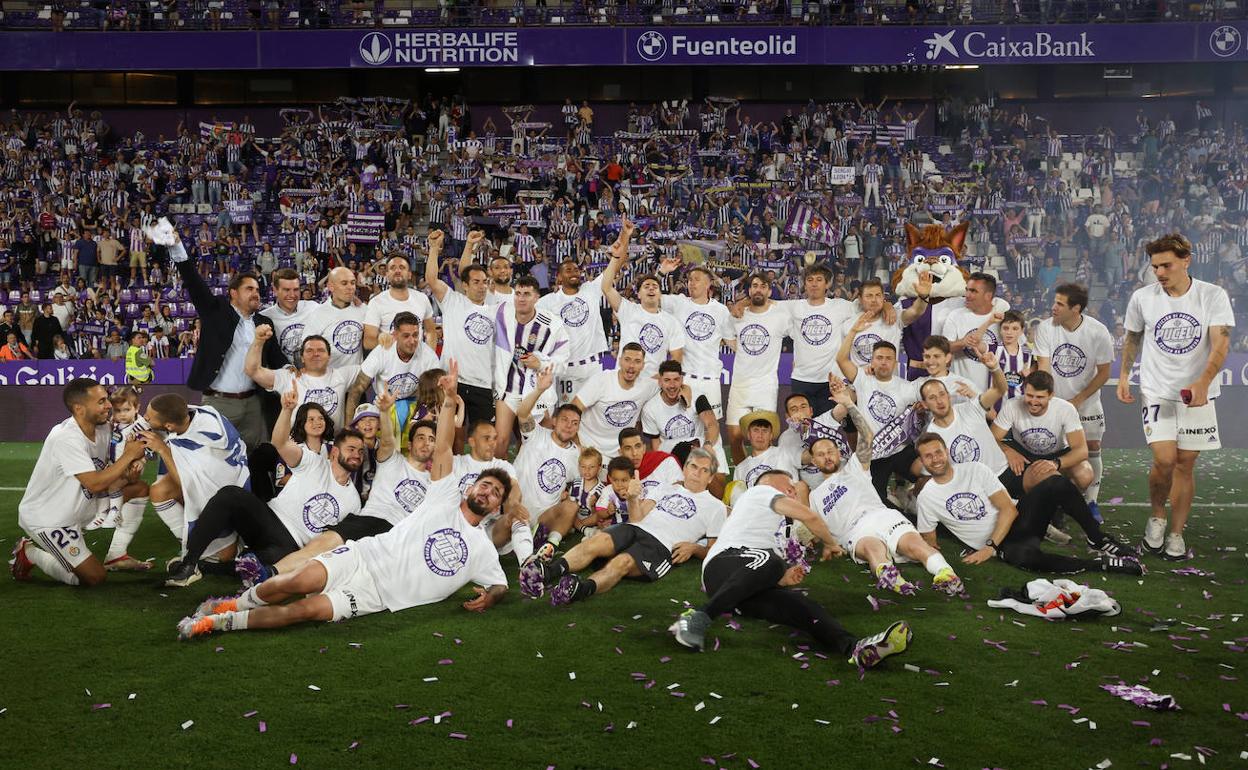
x,y
935,563
231,621
114,509
1094,489
173,515
128,522
250,599
554,538
522,541
50,565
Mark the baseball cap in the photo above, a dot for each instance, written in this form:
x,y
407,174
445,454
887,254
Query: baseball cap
x,y
362,411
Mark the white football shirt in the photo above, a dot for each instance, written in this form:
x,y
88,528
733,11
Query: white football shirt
x,y
581,318
53,497
759,339
402,378
398,489
706,327
1074,355
468,337
681,516
962,504
544,468
610,407
966,362
312,499
383,307
343,328
1044,435
817,332
329,390
1176,335
751,524
658,333
845,497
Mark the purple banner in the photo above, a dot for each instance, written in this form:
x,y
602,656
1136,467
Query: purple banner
x,y
611,46
166,371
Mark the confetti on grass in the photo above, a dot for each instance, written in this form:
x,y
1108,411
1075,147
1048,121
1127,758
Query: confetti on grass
x,y
100,706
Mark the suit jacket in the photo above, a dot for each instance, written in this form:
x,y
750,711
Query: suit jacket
x,y
218,319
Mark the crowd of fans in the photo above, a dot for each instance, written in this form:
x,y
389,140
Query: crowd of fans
x,y
61,15
362,179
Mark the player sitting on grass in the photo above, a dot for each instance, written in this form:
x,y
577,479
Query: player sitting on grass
x,y
424,559
400,486
318,495
745,573
578,510
72,477
127,500
662,530
969,500
868,530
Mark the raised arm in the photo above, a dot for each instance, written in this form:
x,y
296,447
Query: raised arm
x,y
843,357
619,255
436,284
919,306
842,396
475,238
999,384
387,441
524,412
290,452
259,374
444,438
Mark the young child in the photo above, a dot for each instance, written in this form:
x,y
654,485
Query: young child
x,y
1014,355
577,510
123,508
424,406
612,506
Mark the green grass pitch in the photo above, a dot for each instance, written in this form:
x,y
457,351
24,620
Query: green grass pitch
x,y
602,684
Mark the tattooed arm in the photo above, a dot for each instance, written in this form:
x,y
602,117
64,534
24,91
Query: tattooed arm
x,y
1129,350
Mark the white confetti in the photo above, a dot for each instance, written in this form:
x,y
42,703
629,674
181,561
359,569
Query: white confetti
x,y
793,707
1104,763
133,695
701,705
187,724
823,721
1012,684
430,679
314,688
571,675
437,720
713,721
912,667
539,654
630,725
673,685
716,695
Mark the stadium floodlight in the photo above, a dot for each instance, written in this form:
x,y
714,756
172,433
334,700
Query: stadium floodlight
x,y
435,70
961,66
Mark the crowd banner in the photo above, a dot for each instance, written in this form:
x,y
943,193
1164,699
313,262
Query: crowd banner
x,y
615,46
240,211
365,228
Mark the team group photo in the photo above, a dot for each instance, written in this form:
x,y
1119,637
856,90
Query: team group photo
x,y
646,385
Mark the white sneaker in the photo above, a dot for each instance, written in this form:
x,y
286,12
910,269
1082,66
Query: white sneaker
x,y
1154,533
1176,549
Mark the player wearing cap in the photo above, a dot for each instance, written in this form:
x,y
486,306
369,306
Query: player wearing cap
x,y
1183,326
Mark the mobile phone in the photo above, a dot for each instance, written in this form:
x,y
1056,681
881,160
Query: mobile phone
x,y
1186,395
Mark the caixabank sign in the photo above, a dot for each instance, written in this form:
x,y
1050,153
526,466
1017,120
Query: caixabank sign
x,y
656,46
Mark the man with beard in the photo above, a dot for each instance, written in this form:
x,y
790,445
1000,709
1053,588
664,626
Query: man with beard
x,y
319,494
576,303
395,366
72,472
862,524
501,291
974,506
547,461
399,298
611,400
467,327
424,559
761,328
708,326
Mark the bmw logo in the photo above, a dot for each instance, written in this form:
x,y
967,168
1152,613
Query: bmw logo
x,y
651,46
1223,41
375,48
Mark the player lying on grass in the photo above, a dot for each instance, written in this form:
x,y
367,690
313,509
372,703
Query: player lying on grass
x,y
969,500
400,486
744,572
69,486
663,529
423,559
862,524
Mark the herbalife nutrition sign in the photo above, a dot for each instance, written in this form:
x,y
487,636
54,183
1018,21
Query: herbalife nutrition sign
x,y
437,47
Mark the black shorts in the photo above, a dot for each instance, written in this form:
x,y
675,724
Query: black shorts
x,y
1013,483
356,527
1031,457
478,404
652,557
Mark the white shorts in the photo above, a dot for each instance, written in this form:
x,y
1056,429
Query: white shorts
x,y
886,525
1194,428
1092,415
348,585
712,389
544,406
573,378
66,544
745,396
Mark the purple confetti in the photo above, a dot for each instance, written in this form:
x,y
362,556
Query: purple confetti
x,y
1140,723
353,746
875,604
664,659
250,714
445,662
401,706
99,706
264,726
1115,500
294,759
509,724
1142,696
458,736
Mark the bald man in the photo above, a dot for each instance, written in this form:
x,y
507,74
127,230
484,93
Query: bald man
x,y
340,320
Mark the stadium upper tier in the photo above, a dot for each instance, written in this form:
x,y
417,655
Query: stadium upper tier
x,y
325,14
